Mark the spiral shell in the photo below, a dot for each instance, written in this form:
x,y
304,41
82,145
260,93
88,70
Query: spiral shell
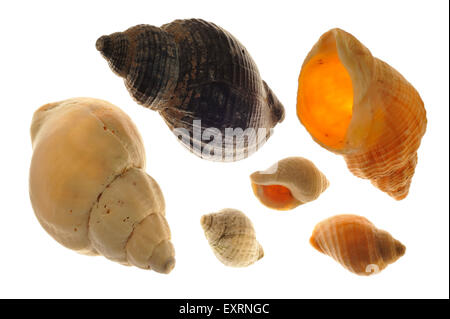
x,y
232,238
290,182
356,244
201,80
358,106
88,186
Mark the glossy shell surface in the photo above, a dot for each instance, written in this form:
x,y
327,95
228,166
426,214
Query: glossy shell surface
x,y
201,80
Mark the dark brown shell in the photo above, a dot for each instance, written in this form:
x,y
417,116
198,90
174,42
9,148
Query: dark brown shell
x,y
190,70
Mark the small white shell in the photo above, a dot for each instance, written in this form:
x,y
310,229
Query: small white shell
x,y
232,238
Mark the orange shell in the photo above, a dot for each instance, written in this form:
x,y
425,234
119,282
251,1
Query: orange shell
x,y
290,182
360,107
356,243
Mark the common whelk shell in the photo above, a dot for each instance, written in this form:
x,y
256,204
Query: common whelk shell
x,y
358,106
290,182
88,187
201,80
356,243
232,238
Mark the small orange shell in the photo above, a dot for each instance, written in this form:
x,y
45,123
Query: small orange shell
x,y
360,107
356,243
290,182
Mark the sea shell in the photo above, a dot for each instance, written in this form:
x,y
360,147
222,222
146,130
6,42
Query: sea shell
x,y
358,106
289,183
356,243
88,186
232,238
201,80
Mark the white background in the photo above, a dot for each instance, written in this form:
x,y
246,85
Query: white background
x,y
48,54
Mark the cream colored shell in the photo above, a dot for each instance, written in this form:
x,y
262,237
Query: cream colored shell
x,y
297,174
356,244
232,238
88,186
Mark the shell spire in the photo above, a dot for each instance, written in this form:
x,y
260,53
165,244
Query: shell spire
x,y
232,238
201,80
146,58
360,107
356,243
88,186
114,48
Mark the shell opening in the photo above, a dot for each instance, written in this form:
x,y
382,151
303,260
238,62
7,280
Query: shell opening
x,y
325,98
275,196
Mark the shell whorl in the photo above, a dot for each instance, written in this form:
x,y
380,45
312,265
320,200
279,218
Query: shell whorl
x,y
232,238
146,58
390,158
356,244
127,223
192,70
88,186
